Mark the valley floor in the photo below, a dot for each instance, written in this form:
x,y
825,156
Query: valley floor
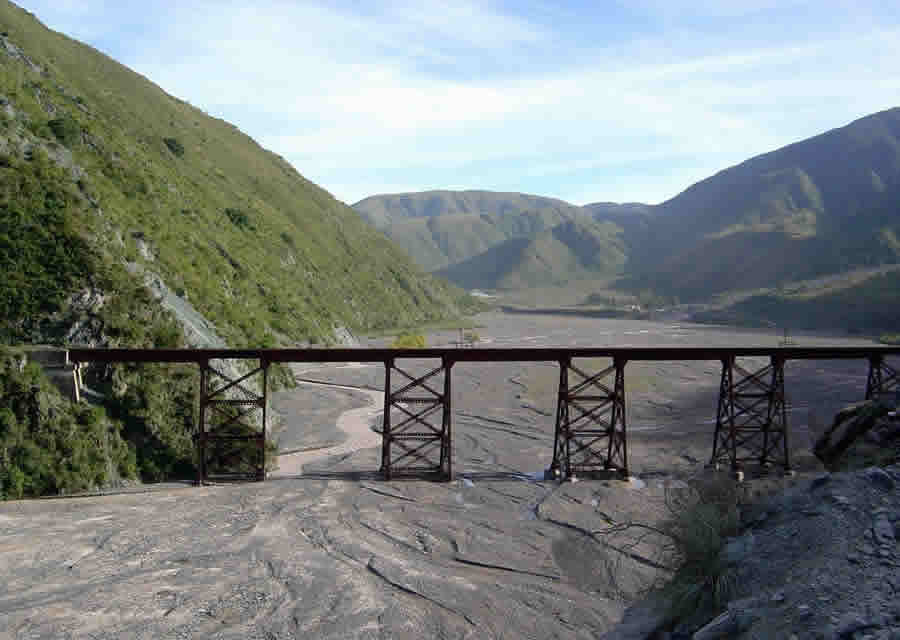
x,y
327,549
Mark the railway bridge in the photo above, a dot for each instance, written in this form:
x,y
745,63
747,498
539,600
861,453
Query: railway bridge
x,y
591,424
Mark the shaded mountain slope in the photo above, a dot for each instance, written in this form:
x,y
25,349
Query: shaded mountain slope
x,y
570,250
438,241
819,206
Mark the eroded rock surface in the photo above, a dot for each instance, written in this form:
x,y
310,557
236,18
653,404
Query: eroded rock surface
x,y
329,555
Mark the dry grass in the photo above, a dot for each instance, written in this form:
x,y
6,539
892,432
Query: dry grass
x,y
701,520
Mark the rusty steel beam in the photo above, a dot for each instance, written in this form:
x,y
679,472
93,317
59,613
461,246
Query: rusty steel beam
x,y
480,354
590,433
751,419
416,444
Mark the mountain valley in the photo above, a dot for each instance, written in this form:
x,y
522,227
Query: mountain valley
x,y
823,207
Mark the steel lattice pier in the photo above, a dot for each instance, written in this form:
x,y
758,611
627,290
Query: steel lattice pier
x,y
590,433
751,420
231,433
418,442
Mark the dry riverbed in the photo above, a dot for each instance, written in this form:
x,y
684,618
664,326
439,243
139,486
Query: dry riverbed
x,y
327,549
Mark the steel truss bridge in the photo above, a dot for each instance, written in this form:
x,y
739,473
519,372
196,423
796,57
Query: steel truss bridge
x,y
591,424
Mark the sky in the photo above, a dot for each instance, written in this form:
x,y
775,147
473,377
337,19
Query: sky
x,y
584,101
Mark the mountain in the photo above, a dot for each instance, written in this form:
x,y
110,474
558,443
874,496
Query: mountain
x,y
443,228
130,218
570,250
823,205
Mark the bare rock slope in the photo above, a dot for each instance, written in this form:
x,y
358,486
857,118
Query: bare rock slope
x,y
818,561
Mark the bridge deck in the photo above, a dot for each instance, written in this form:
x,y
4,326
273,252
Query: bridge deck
x,y
480,354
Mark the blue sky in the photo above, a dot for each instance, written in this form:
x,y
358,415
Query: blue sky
x,y
584,101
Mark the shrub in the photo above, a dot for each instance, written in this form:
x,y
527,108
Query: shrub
x,y
66,130
701,520
409,341
174,146
239,219
43,256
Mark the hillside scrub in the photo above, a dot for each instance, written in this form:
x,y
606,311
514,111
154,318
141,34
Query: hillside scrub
x,y
47,444
42,256
409,341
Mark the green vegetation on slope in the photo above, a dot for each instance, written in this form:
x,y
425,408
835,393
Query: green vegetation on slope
x,y
47,444
857,306
444,228
42,256
261,252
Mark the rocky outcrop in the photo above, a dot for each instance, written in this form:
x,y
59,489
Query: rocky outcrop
x,y
861,435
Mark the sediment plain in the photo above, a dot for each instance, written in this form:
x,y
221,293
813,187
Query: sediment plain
x,y
325,548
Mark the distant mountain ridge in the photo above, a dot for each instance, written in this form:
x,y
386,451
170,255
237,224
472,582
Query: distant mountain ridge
x,y
440,229
382,210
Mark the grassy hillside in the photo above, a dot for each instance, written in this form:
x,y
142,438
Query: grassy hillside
x,y
441,228
569,251
260,251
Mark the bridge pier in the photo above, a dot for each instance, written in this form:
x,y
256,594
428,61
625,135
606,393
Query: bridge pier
x,y
751,420
232,420
420,444
590,432
882,380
